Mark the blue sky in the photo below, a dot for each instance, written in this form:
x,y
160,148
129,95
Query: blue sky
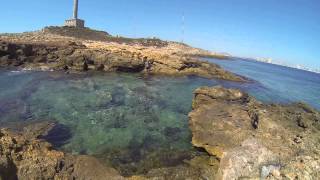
x,y
286,30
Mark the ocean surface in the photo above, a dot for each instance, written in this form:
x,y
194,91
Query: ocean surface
x,y
276,83
132,122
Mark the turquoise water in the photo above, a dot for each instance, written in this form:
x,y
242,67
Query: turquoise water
x,y
133,122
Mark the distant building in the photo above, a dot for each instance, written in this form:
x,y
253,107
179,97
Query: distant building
x,y
75,22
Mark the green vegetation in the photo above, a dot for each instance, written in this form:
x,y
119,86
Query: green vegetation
x,y
90,34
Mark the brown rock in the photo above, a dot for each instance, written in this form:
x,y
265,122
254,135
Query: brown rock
x,y
245,160
4,60
219,121
100,67
27,49
137,56
243,132
40,59
89,168
23,156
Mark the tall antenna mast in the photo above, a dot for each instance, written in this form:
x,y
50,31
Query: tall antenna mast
x,y
134,27
182,27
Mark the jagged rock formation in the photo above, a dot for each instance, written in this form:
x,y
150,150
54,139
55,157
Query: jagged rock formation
x,y
78,56
254,140
25,156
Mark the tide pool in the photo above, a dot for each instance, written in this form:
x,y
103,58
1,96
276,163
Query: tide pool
x,y
132,122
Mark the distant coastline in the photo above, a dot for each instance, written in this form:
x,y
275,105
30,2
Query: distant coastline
x,y
270,61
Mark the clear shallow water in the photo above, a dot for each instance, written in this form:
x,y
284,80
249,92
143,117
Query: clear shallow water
x,y
277,83
131,122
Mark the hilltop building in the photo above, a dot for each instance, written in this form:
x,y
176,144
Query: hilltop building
x,y
75,22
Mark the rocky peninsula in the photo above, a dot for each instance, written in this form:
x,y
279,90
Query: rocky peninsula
x,y
82,49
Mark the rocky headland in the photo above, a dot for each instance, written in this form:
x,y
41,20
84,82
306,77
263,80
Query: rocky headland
x,y
77,49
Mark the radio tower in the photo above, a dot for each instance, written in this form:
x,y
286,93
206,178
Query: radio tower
x,y
134,27
182,27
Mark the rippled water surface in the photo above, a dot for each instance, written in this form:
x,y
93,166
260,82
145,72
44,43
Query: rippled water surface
x,y
280,84
132,122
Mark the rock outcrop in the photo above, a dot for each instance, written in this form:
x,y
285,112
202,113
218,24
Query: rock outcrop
x,y
78,57
61,49
24,156
256,140
95,35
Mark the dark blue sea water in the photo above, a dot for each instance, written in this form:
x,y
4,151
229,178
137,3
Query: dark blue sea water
x,y
134,122
276,83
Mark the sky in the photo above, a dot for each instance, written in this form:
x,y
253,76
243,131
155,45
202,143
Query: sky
x,y
284,30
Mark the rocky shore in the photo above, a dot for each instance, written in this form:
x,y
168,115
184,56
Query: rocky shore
x,y
50,50
239,137
253,140
243,138
24,155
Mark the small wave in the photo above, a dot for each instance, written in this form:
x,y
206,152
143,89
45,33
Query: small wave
x,y
16,72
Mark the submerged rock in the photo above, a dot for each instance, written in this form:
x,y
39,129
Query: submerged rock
x,y
254,140
24,156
